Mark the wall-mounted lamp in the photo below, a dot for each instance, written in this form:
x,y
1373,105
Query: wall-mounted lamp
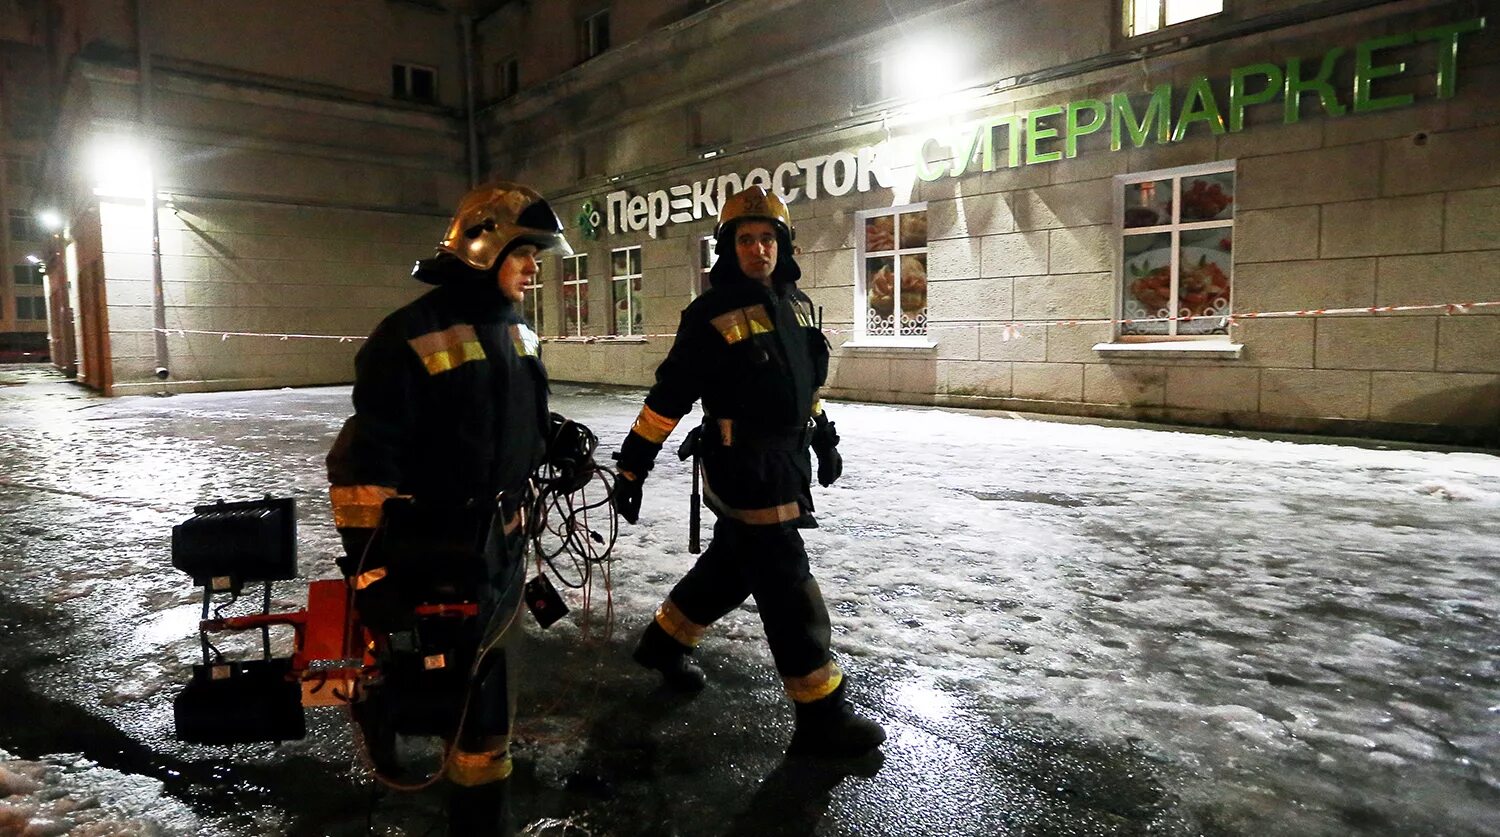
x,y
119,167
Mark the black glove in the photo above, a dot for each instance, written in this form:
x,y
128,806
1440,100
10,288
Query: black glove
x,y
825,441
627,497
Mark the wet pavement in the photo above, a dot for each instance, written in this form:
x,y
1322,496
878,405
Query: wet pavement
x,y
1316,655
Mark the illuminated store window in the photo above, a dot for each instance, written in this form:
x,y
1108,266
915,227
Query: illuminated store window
x,y
575,292
412,81
1142,16
706,259
625,282
593,34
1176,245
535,311
891,286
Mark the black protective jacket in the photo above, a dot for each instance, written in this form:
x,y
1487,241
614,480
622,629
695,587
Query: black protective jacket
x,y
757,359
450,405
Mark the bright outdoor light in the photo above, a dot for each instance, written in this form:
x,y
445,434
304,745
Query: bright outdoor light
x,y
50,219
119,167
923,68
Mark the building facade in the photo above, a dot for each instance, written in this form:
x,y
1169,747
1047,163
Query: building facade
x,y
1178,211
23,237
277,174
1250,213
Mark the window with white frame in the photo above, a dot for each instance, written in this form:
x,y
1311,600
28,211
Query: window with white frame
x,y
625,287
891,285
507,78
575,293
535,310
413,81
1176,251
593,34
1143,16
706,259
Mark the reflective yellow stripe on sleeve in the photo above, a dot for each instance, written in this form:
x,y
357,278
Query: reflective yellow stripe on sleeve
x,y
448,349
358,506
653,426
814,686
817,407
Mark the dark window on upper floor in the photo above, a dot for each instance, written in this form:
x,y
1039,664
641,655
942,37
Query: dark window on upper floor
x,y
20,171
507,78
26,274
413,81
22,226
593,34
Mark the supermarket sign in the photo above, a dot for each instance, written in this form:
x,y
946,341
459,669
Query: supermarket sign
x,y
1331,85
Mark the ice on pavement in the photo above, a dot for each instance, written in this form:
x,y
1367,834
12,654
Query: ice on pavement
x,y
1291,625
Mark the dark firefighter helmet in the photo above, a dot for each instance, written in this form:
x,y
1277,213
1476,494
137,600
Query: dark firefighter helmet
x,y
493,217
752,203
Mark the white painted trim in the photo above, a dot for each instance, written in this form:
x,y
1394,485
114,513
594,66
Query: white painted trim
x,y
1167,348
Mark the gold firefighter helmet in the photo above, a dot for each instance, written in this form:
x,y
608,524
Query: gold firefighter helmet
x,y
492,217
752,203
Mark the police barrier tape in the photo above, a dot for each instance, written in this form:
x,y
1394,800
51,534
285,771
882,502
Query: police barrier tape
x,y
1011,329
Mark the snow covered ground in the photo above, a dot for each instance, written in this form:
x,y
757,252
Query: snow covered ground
x,y
1303,634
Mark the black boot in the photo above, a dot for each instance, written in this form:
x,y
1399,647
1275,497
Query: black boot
x,y
828,728
658,650
480,811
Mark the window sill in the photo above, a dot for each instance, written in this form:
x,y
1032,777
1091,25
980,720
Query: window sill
x,y
918,345
1172,348
598,338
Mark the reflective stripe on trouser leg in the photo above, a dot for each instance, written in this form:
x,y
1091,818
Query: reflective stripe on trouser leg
x,y
816,685
678,626
471,769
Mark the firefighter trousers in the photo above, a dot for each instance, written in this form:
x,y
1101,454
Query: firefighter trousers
x,y
768,563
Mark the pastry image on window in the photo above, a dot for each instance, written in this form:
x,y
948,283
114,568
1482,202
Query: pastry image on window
x,y
880,233
881,295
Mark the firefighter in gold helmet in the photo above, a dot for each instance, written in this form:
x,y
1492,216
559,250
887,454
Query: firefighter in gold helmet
x,y
751,348
427,484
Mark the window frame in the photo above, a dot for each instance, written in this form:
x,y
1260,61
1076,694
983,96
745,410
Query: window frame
x,y
405,90
37,305
589,46
624,278
862,336
706,259
1176,174
532,306
27,275
1127,20
507,77
22,226
578,286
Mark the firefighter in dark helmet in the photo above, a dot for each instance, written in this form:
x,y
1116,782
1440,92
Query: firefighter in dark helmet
x,y
751,349
427,483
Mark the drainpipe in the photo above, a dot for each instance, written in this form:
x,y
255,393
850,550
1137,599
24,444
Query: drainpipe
x,y
148,136
467,22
